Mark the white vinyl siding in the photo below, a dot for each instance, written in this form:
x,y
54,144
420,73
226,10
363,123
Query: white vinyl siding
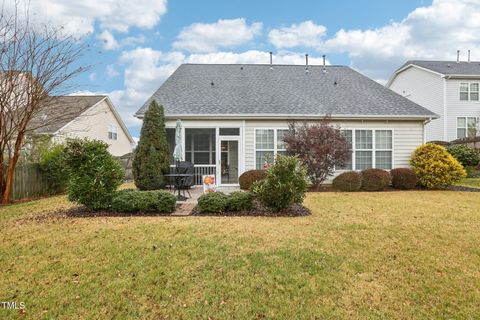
x,y
406,136
457,108
426,89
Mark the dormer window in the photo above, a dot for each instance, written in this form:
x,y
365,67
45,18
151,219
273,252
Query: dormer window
x,y
469,91
112,132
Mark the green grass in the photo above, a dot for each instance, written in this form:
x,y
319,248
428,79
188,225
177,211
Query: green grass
x,y
359,256
469,182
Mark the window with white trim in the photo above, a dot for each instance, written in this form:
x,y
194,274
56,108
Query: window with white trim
x,y
112,132
466,127
268,143
469,91
370,149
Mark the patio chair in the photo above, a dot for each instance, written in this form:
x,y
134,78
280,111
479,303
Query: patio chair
x,y
185,183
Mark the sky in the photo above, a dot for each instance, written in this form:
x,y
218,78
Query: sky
x,y
136,44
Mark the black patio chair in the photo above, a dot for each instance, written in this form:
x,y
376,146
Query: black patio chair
x,y
185,167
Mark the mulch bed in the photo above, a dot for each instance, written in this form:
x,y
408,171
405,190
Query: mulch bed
x,y
295,210
462,188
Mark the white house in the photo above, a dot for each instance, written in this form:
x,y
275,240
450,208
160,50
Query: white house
x,y
447,88
93,117
234,115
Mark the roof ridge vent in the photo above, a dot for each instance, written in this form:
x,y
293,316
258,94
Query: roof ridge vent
x,y
324,69
271,60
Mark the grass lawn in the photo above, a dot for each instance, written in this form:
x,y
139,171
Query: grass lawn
x,y
360,255
469,182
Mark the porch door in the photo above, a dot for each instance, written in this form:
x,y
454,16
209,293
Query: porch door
x,y
229,161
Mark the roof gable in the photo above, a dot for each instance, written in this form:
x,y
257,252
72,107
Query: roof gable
x,y
284,90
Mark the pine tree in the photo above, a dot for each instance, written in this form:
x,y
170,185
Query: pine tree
x,y
152,155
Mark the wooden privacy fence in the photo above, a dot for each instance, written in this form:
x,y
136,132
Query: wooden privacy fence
x,y
29,182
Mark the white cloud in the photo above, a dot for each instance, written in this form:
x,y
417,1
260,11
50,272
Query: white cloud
x,y
111,71
92,76
306,34
109,42
431,32
208,37
80,16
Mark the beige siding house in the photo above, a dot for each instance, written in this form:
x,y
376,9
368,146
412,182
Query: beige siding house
x,y
447,88
93,117
234,116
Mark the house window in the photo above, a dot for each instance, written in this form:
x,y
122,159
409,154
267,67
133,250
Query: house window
x,y
268,143
200,146
112,132
469,91
473,91
466,127
370,149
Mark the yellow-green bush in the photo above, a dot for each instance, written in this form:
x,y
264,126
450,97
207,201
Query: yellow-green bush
x,y
435,167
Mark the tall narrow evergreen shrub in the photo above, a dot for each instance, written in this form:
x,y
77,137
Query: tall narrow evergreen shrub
x,y
152,155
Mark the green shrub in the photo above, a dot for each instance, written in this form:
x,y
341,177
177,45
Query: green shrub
x,y
375,179
143,201
212,202
152,156
464,154
403,178
94,175
240,201
473,171
435,167
52,164
284,184
247,178
348,181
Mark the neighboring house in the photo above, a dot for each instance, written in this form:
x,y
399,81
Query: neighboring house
x,y
447,88
92,117
234,115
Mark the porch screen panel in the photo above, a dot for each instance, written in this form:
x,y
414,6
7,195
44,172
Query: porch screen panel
x,y
200,146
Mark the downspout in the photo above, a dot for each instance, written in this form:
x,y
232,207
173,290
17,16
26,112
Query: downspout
x,y
424,129
445,122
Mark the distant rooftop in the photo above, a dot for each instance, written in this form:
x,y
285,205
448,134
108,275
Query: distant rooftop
x,y
447,67
254,90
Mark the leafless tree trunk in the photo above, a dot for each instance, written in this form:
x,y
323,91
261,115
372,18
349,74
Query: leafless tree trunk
x,y
37,62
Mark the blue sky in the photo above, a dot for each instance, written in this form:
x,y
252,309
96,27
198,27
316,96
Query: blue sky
x,y
136,45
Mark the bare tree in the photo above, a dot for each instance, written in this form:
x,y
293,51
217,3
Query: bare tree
x,y
37,62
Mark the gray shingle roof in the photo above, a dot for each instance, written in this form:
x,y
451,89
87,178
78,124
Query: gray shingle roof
x,y
448,67
285,90
61,110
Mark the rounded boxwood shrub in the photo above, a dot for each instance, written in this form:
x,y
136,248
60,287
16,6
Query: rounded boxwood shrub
x,y
348,181
464,154
52,164
143,201
247,178
240,201
435,167
212,202
94,175
284,185
375,179
403,178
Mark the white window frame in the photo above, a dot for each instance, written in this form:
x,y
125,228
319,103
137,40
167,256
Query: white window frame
x,y
275,148
469,91
466,125
373,150
112,133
